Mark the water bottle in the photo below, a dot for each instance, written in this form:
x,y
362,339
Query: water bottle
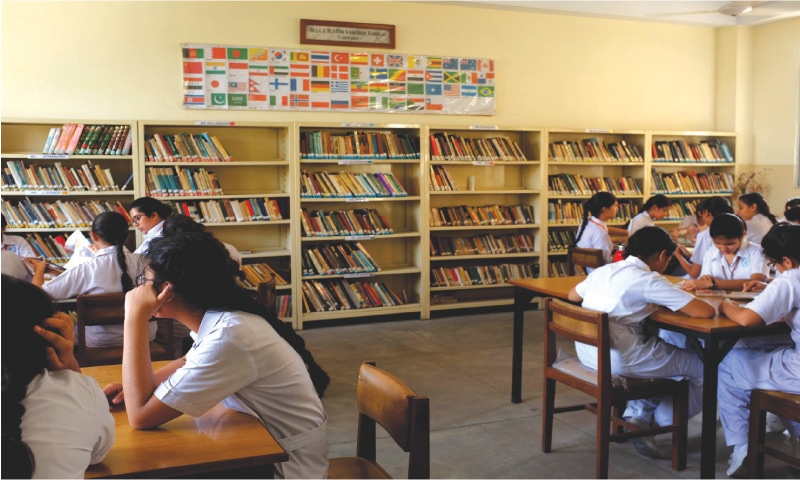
x,y
620,253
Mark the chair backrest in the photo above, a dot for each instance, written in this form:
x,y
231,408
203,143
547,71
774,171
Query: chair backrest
x,y
266,294
585,257
384,399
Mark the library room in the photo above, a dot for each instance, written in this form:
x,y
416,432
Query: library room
x,y
422,200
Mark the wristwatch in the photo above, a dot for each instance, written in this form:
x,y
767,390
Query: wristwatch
x,y
713,283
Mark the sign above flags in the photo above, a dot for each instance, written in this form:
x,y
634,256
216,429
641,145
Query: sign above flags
x,y
269,78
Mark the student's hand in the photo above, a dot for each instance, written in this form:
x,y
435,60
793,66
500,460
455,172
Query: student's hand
x,y
38,265
144,301
690,285
60,334
754,286
114,394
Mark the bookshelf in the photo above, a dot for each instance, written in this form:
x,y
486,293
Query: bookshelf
x,y
360,228
484,186
251,204
47,193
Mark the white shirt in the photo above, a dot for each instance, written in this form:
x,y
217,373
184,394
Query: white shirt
x,y
18,245
237,353
702,243
595,235
151,234
14,266
66,423
748,261
757,227
639,222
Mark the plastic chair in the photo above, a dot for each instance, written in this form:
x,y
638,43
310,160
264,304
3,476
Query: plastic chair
x,y
610,394
785,405
585,257
109,309
384,399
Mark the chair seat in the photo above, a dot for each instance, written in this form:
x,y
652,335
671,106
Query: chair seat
x,y
573,366
355,467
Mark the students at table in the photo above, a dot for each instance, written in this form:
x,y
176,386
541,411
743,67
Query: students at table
x,y
755,211
655,208
707,210
242,356
593,231
148,215
744,369
55,420
629,291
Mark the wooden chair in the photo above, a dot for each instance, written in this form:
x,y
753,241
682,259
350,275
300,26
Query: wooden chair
x,y
384,399
782,404
266,294
578,324
585,257
109,309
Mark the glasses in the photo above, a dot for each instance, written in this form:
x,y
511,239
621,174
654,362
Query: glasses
x,y
771,264
142,279
136,218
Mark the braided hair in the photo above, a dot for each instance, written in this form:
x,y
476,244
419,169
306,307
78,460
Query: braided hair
x,y
112,227
755,198
593,208
23,359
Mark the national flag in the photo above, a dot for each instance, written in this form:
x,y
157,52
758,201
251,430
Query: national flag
x,y
395,61
340,58
469,90
215,67
192,52
434,76
299,56
359,101
340,86
237,86
192,67
416,61
415,88
486,91
340,103
433,89
215,84
340,72
477,78
219,53
218,99
415,75
359,59
300,70
397,103
257,70
378,102
433,62
278,56
321,103
237,53
433,105
255,98
378,87
450,63
379,73
377,60
415,103
299,84
193,83
258,54
359,73
237,100
486,65
279,70
359,87
298,100
397,75
277,83
321,71
318,86
255,86
451,90
452,77
397,88
468,64
279,100
232,65
318,56
194,99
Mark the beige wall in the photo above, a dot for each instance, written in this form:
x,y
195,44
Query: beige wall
x,y
121,60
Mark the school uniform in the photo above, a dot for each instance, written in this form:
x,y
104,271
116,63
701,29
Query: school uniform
x,y
747,262
629,292
240,359
702,244
639,222
66,424
18,245
150,235
744,369
13,266
757,227
595,235
99,275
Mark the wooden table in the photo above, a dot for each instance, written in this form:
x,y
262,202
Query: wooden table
x,y
219,441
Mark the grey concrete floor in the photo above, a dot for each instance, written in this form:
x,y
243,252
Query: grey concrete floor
x,y
463,364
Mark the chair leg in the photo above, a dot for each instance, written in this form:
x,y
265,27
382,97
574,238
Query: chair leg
x,y
757,436
680,421
603,439
548,404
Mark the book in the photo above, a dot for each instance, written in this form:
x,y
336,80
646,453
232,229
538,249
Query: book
x,y
75,137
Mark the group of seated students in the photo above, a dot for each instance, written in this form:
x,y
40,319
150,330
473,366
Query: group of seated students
x,y
751,251
241,354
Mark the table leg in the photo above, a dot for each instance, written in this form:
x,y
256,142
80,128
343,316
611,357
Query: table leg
x,y
708,448
521,299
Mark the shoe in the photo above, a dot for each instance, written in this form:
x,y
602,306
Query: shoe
x,y
774,424
645,446
738,462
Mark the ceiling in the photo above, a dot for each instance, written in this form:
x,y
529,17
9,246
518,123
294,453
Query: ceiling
x,y
701,13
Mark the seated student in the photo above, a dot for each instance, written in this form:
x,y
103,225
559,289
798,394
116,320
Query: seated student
x,y
791,203
148,215
242,355
792,215
744,369
13,266
707,210
108,272
55,420
15,244
629,291
754,210
593,231
655,208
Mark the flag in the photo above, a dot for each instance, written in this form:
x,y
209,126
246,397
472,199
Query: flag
x,y
237,53
415,75
415,88
277,83
434,62
321,71
299,56
377,60
359,59
395,61
415,103
299,84
219,53
359,101
233,65
486,65
359,73
397,103
468,64
298,100
218,99
433,89
340,86
486,91
318,86
193,83
279,100
359,87
279,70
416,61
215,67
452,77
194,100
379,73
450,63
397,75
320,57
192,67
237,100
434,76
340,58
193,53
378,102
258,54
378,87
469,90
300,70
278,56
433,104
340,72
397,88
237,86
451,90
340,103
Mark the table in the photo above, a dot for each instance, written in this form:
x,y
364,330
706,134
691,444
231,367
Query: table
x,y
219,441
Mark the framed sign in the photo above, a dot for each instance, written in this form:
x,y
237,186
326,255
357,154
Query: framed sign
x,y
323,32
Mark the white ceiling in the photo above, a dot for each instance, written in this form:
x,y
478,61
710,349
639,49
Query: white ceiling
x,y
703,13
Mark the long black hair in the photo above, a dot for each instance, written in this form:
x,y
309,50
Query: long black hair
x,y
648,241
209,284
112,227
727,225
782,240
150,205
755,198
715,206
658,200
594,207
24,357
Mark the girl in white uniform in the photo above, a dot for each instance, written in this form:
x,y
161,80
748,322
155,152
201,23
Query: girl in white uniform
x,y
148,215
744,369
655,208
593,231
629,291
110,271
755,211
242,355
56,421
15,244
707,210
791,203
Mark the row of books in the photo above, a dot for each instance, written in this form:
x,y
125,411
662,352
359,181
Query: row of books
x,y
87,177
710,150
58,214
358,145
346,184
576,184
559,240
594,150
176,181
465,276
693,182
224,210
468,215
185,147
341,294
482,245
444,146
558,268
82,139
255,273
682,208
571,212
441,180
283,306
50,247
320,223
338,259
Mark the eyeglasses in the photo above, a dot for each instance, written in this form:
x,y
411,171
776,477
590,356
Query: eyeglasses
x,y
771,264
142,279
136,218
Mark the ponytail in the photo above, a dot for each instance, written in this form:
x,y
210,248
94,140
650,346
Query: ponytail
x,y
112,227
595,206
755,198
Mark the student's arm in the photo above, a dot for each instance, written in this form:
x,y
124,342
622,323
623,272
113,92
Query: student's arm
x,y
618,232
39,266
699,309
573,296
683,257
60,334
755,285
738,285
743,316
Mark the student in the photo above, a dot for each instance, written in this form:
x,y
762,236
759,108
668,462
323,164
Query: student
x,y
55,420
629,291
15,244
108,272
178,223
707,210
744,369
655,208
148,215
791,203
792,215
251,364
754,210
593,231
13,266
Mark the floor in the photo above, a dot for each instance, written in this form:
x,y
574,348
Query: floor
x,y
463,364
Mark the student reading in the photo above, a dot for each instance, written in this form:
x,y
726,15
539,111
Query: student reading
x,y
238,357
655,208
753,208
148,215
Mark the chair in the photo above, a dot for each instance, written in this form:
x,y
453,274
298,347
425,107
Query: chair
x,y
109,309
610,394
384,399
585,257
266,294
782,404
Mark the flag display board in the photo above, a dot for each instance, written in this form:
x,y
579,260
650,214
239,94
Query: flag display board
x,y
266,78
